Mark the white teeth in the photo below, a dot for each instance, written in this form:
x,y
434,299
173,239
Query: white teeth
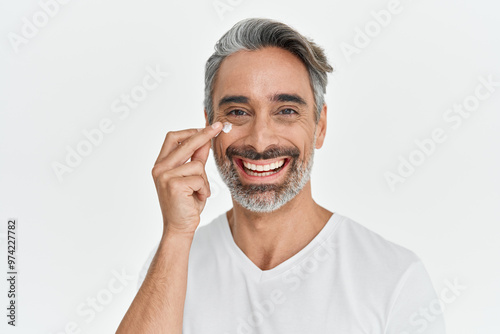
x,y
264,168
260,174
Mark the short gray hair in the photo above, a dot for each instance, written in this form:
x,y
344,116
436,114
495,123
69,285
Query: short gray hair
x,y
256,33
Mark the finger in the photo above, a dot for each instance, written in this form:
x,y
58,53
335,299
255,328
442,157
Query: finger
x,y
189,169
186,149
202,153
172,140
196,185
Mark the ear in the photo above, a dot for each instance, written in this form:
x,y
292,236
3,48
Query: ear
x,y
321,128
206,117
206,124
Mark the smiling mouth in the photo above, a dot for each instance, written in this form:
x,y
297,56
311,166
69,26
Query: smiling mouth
x,y
261,169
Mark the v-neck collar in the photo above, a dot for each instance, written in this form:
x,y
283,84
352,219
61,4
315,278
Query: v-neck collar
x,y
254,272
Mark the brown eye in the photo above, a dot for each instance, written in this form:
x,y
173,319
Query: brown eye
x,y
237,112
287,111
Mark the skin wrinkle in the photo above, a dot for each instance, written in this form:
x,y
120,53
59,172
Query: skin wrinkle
x,y
277,97
255,34
270,221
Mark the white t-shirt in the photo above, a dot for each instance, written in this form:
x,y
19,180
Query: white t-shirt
x,y
347,280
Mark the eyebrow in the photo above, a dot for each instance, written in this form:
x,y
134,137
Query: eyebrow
x,y
288,98
274,98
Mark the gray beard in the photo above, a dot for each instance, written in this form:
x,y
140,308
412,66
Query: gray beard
x,y
266,197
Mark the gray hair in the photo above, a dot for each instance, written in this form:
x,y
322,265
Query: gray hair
x,y
254,34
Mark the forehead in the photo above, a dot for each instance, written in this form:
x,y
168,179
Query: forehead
x,y
261,73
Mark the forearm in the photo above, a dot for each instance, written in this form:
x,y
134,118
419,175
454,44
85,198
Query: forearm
x,y
158,306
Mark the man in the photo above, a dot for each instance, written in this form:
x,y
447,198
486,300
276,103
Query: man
x,y
277,262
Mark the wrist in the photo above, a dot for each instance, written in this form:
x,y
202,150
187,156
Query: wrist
x,y
169,233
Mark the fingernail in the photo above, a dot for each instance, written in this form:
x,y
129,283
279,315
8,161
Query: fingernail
x,y
216,125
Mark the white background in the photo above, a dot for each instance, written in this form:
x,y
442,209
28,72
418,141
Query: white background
x,y
104,217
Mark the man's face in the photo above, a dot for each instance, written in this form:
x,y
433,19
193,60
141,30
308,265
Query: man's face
x,y
267,157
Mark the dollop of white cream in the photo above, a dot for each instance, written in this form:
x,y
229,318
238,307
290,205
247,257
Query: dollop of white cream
x,y
227,127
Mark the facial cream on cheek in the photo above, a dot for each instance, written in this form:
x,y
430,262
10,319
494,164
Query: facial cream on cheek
x,y
227,127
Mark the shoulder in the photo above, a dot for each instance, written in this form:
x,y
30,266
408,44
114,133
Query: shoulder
x,y
371,250
379,269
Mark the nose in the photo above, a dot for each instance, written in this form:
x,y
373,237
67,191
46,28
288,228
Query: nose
x,y
262,134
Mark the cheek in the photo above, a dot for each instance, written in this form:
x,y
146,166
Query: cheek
x,y
221,143
233,138
217,147
230,134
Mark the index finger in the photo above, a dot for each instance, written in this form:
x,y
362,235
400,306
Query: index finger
x,y
172,140
185,143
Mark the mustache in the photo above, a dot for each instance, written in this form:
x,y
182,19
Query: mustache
x,y
271,153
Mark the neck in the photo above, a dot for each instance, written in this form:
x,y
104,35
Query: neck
x,y
269,239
